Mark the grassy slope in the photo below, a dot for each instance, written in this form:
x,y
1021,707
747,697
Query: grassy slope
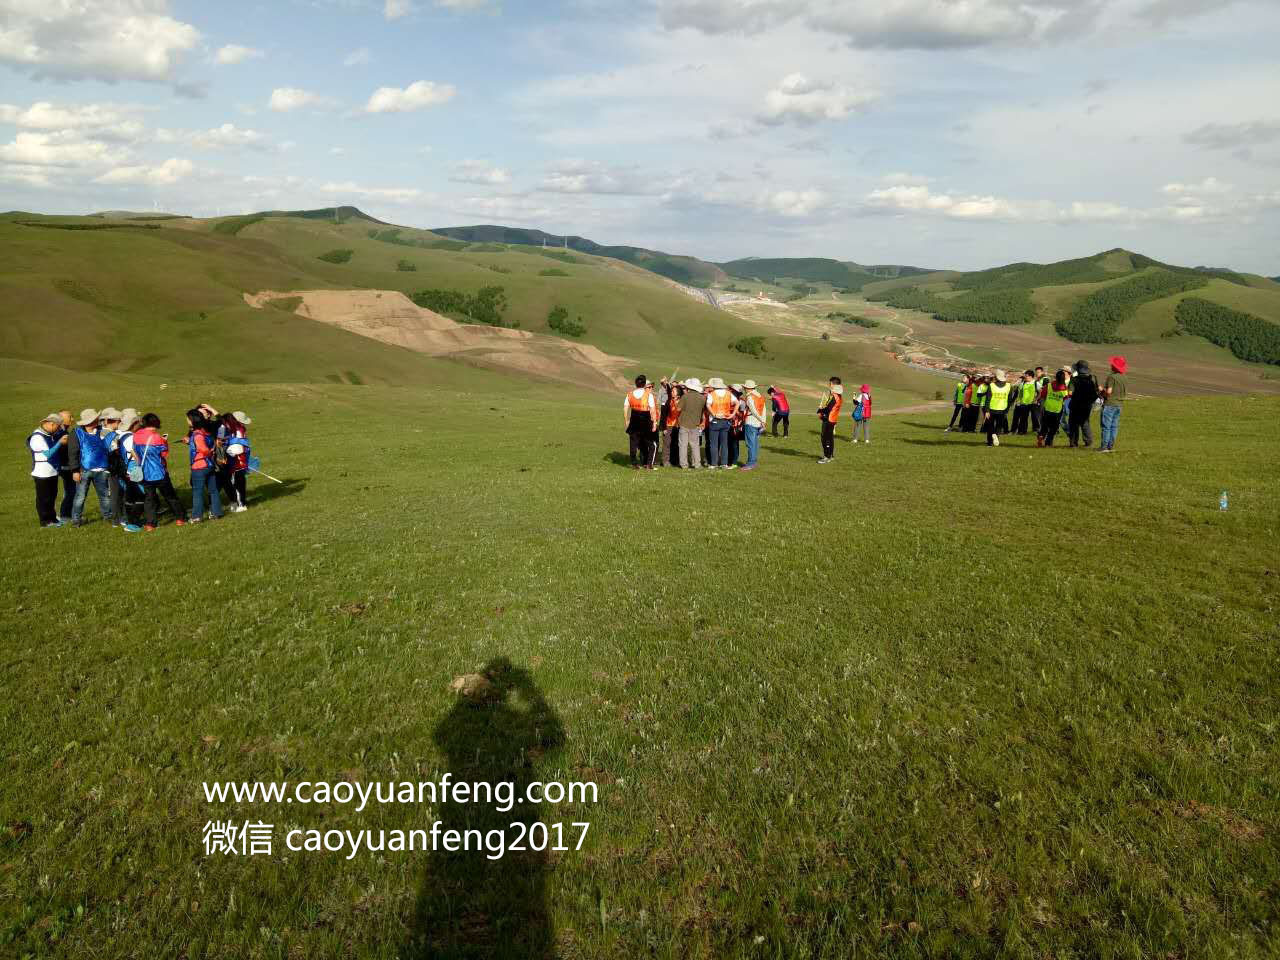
x,y
150,319
960,716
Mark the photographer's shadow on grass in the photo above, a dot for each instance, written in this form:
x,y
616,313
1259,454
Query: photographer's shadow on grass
x,y
468,904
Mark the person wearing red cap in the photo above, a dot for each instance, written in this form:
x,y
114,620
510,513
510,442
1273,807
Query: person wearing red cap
x,y
862,414
1113,394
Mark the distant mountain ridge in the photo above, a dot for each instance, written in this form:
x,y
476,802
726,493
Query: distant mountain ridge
x,y
686,270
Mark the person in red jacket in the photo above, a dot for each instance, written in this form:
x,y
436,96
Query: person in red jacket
x,y
781,411
151,452
200,441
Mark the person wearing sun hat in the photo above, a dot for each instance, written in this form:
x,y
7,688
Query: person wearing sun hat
x,y
233,441
754,407
126,496
87,455
693,410
46,446
721,404
1113,394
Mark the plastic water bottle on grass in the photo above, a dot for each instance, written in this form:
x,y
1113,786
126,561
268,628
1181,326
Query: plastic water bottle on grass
x,y
1222,501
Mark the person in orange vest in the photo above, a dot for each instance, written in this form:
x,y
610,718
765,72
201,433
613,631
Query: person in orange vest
x,y
754,406
721,405
829,414
640,415
781,411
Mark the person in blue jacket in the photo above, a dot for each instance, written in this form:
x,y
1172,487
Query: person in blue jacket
x,y
87,455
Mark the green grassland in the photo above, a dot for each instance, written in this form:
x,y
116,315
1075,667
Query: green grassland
x,y
932,700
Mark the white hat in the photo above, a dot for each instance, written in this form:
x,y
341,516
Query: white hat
x,y
51,418
87,416
693,383
242,417
715,383
750,385
129,416
1000,375
109,413
736,388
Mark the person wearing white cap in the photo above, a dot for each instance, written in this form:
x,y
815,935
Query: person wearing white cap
x,y
46,448
996,421
87,455
754,406
693,413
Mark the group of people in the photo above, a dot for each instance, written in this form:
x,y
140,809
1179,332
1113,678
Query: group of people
x,y
686,424
124,458
1046,405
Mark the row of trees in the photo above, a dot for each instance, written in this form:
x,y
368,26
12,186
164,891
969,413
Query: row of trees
x,y
1097,317
1004,307
1248,337
487,305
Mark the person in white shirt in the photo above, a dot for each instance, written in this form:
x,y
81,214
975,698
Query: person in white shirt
x,y
46,452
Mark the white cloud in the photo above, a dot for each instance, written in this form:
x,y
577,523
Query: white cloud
x,y
476,172
798,99
357,58
352,190
416,96
895,24
903,179
582,177
284,99
792,203
171,171
218,138
106,121
108,40
1209,185
234,53
920,199
64,149
395,9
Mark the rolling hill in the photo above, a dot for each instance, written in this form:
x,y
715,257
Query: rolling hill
x,y
841,274
168,299
686,270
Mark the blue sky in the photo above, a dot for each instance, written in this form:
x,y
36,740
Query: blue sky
x,y
943,133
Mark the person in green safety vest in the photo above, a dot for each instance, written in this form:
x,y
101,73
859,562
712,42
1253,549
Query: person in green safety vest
x,y
1024,397
996,421
1041,381
1053,399
962,386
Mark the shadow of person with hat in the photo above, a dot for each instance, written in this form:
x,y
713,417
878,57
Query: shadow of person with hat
x,y
500,730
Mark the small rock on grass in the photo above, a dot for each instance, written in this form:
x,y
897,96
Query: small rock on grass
x,y
473,686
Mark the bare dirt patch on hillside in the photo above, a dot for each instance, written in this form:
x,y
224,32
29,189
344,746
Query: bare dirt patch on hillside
x,y
391,317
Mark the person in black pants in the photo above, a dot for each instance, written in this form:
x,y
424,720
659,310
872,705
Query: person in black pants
x,y
640,414
1084,391
45,446
65,473
832,401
